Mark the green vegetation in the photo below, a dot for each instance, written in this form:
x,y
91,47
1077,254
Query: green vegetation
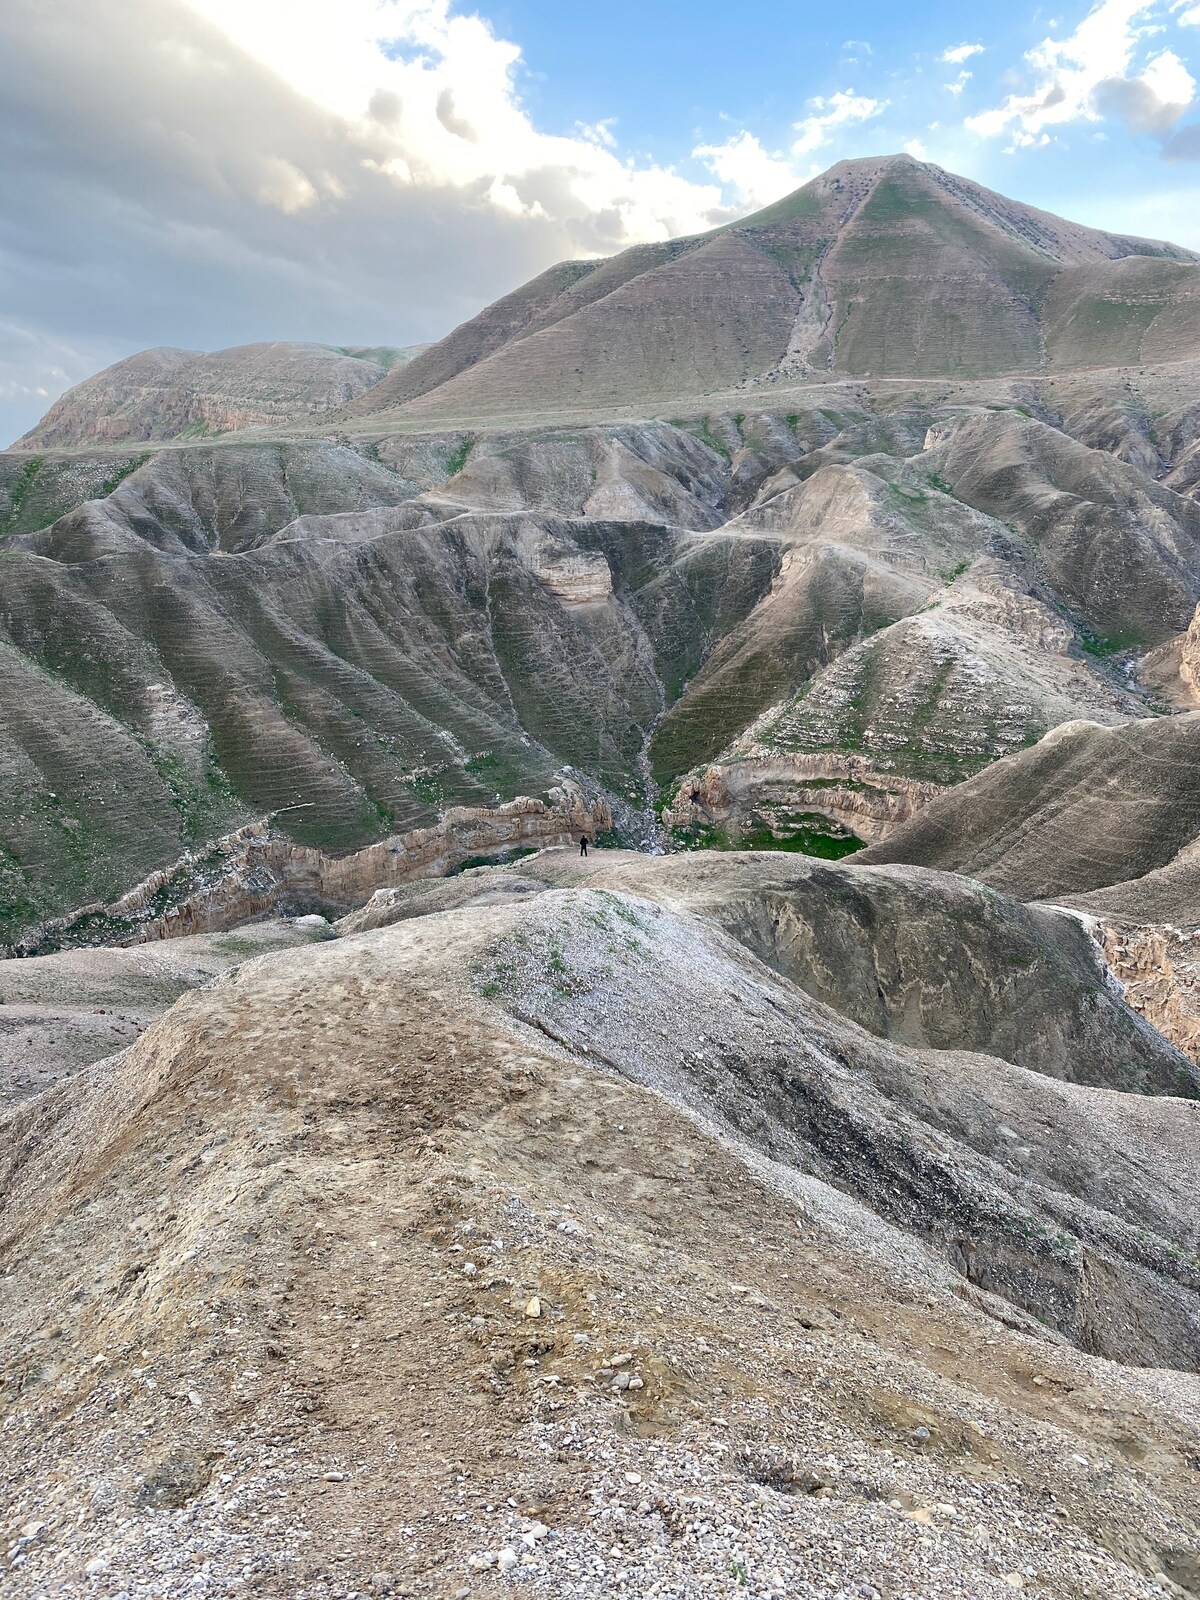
x,y
428,788
806,833
19,493
118,477
502,858
704,433
799,207
908,497
701,836
1101,646
457,459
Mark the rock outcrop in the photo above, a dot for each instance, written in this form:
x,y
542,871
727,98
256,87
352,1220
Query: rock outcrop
x,y
257,870
1159,969
759,791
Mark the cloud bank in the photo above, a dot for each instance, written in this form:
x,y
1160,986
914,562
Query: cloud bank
x,y
209,173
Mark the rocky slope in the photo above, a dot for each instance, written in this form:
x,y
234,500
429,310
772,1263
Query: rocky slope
x,y
1088,810
257,870
558,1239
355,636
61,1012
171,394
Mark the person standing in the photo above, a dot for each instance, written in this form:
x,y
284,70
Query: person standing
x,y
583,844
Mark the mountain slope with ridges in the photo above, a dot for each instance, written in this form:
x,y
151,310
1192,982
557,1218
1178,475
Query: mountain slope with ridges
x,y
831,279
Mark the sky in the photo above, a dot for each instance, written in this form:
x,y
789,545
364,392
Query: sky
x,y
203,173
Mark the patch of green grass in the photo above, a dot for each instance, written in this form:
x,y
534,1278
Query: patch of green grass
x,y
809,834
503,858
620,907
20,490
119,476
428,788
701,836
956,571
704,432
1103,645
457,459
939,483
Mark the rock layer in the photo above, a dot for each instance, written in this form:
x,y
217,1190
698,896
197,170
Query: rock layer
x,y
255,871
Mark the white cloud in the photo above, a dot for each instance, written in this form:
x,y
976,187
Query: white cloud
x,y
1089,74
834,112
285,187
754,174
1186,14
960,83
958,53
1154,101
435,96
916,150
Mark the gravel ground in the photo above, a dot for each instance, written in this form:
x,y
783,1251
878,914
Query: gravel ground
x,y
344,1281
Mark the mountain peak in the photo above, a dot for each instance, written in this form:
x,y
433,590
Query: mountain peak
x,y
880,266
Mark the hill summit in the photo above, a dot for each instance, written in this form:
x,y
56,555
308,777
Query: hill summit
x,y
835,278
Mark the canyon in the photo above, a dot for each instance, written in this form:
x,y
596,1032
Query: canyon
x,y
795,1195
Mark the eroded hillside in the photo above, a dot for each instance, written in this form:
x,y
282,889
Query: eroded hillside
x,y
172,394
772,623
546,1233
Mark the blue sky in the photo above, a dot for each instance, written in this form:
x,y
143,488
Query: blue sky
x,y
696,76
694,69
213,172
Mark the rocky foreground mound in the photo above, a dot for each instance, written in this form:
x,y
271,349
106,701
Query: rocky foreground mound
x,y
558,1231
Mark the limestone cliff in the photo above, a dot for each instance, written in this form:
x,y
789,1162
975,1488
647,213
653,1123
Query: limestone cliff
x,y
257,869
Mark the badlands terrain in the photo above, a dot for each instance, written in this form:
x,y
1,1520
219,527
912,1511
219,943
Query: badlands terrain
x,y
794,1198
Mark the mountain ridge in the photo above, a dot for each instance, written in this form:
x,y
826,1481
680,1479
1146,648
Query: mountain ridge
x,y
558,334
168,393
